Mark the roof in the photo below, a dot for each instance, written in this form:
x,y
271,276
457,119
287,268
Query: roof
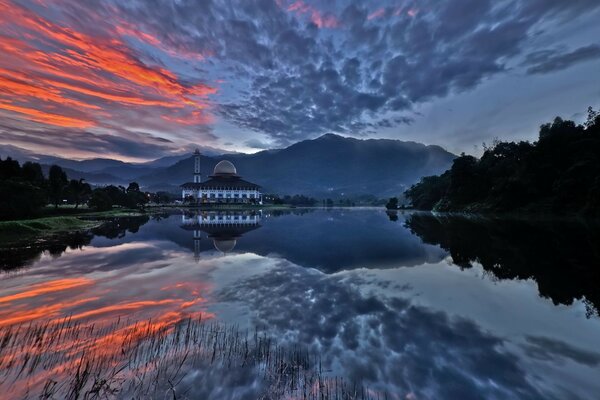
x,y
225,168
219,182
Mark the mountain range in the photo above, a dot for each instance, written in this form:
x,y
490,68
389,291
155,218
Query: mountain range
x,y
329,166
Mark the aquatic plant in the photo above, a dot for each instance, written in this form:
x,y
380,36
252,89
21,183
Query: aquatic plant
x,y
154,359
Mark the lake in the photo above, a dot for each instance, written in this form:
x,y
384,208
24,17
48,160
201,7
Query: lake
x,y
353,303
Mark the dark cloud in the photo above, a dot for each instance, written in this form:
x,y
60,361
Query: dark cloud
x,y
294,72
546,61
544,348
256,144
126,143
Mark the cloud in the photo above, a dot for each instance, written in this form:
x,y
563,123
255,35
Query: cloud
x,y
293,69
126,144
547,61
544,348
388,344
256,144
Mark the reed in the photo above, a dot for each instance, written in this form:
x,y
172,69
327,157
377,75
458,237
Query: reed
x,y
126,359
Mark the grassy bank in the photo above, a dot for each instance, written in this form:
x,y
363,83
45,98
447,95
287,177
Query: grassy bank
x,y
13,231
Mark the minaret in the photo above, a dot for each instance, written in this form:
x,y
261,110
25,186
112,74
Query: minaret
x,y
197,176
197,237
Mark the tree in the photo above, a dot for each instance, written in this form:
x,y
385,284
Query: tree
x,y
557,174
9,169
100,200
57,181
32,173
392,204
135,198
133,187
20,199
78,191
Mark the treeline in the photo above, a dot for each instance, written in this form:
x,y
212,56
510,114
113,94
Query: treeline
x,y
295,200
558,174
25,191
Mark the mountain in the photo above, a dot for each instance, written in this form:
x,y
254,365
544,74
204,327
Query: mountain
x,y
327,166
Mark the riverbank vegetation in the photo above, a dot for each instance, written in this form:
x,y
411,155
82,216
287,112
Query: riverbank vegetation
x,y
189,358
557,174
25,229
26,191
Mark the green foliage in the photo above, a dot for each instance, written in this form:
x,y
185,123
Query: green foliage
x,y
560,173
25,191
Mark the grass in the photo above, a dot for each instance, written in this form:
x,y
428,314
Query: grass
x,y
14,231
125,359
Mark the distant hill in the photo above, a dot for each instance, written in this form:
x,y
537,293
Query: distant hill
x,y
328,166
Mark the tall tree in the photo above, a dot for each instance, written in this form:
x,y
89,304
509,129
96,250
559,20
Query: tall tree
x,y
57,181
32,173
78,191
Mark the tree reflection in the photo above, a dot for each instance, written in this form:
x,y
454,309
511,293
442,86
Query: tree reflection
x,y
24,254
563,257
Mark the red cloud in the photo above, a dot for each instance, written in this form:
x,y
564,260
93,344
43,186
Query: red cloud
x,y
54,74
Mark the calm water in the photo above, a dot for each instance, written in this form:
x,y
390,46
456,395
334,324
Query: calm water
x,y
411,305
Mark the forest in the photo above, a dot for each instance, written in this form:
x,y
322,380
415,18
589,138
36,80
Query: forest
x,y
558,174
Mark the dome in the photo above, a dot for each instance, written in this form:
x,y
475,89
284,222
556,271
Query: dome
x,y
224,245
224,168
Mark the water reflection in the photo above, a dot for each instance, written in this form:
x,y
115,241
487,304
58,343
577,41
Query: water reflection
x,y
23,254
411,305
224,228
562,257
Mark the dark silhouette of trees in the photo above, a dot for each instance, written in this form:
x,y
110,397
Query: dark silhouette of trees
x,y
105,198
392,204
559,174
20,199
562,256
100,200
57,182
78,191
22,190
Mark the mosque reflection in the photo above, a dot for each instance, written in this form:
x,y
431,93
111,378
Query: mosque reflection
x,y
223,228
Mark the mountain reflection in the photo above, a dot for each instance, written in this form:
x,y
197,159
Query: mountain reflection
x,y
562,257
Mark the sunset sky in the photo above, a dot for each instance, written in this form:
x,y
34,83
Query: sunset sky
x,y
138,80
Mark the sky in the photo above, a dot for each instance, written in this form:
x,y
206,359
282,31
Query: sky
x,y
138,80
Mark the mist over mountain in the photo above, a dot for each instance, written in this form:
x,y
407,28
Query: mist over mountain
x,y
329,166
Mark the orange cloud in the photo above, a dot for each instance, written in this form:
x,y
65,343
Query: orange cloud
x,y
74,71
47,118
47,287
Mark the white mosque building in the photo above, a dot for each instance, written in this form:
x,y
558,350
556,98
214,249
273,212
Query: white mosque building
x,y
223,186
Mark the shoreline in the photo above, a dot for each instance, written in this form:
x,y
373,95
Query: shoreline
x,y
15,231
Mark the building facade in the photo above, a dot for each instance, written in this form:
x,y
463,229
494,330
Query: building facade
x,y
223,186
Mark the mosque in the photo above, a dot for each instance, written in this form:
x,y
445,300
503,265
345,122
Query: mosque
x,y
223,186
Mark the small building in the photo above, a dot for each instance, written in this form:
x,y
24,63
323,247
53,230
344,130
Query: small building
x,y
223,186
